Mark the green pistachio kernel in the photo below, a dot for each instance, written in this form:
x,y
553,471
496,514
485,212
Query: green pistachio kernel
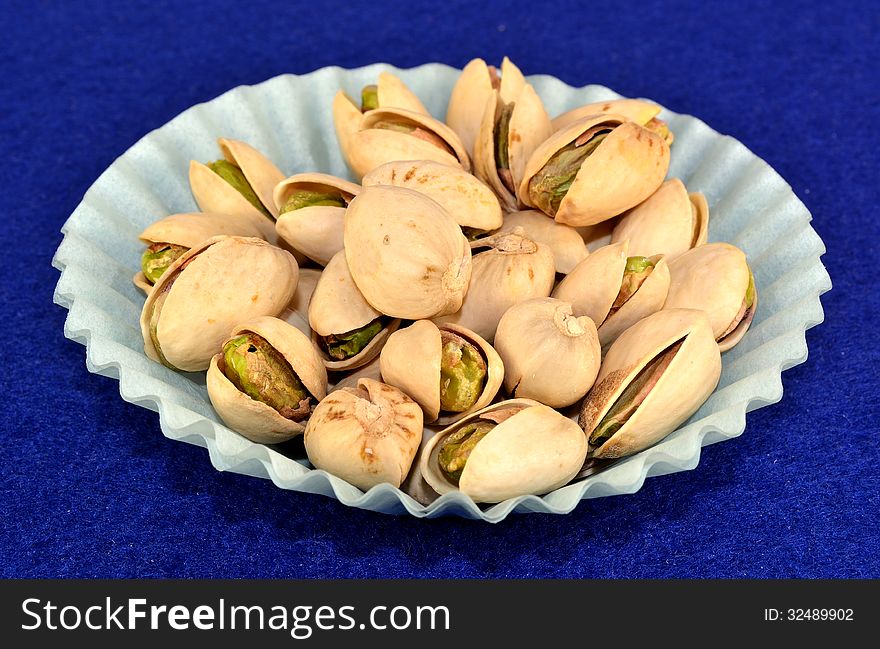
x,y
235,177
342,346
462,373
400,125
750,291
261,372
472,234
458,446
549,186
635,273
369,98
157,258
301,198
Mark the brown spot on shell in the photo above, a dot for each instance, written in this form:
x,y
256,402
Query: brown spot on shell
x,y
334,414
515,136
386,239
255,297
393,174
410,174
598,396
606,107
531,274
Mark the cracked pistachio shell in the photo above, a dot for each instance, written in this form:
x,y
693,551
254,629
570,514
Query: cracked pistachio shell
x,y
391,92
371,147
533,450
297,311
595,283
623,170
407,255
254,419
314,231
472,90
365,435
549,354
211,288
213,194
337,307
471,203
410,360
634,110
508,268
682,388
564,241
713,278
190,229
669,222
529,126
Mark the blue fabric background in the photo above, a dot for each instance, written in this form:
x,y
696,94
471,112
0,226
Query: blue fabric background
x,y
89,486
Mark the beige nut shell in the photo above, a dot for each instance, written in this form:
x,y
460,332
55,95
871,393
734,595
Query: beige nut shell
x,y
407,255
225,280
685,384
534,451
634,110
365,435
513,268
411,358
564,241
549,354
624,169
297,311
314,231
471,203
669,222
254,419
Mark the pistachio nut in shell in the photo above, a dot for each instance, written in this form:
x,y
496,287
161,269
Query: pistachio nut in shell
x,y
365,435
390,134
669,222
594,169
653,377
239,184
168,238
388,92
471,92
508,268
266,380
407,255
643,113
549,354
311,208
471,203
510,132
450,371
564,241
509,449
715,278
615,289
207,291
297,311
347,330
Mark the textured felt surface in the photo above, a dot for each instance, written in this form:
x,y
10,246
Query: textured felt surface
x,y
89,485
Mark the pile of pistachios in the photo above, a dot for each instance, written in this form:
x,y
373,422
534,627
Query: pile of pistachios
x,y
502,300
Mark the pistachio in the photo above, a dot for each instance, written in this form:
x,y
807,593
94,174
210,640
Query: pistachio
x,y
457,447
746,311
636,271
301,198
501,133
233,175
347,345
158,257
369,98
462,373
256,368
411,128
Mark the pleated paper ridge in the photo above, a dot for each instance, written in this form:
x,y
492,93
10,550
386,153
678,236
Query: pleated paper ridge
x,y
289,118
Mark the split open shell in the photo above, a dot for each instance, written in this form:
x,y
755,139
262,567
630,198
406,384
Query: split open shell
x,y
254,419
314,231
365,435
297,311
471,203
594,284
207,291
715,278
338,307
411,361
564,241
626,167
669,222
407,255
643,113
532,450
213,194
189,229
549,354
475,85
685,383
508,268
372,146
